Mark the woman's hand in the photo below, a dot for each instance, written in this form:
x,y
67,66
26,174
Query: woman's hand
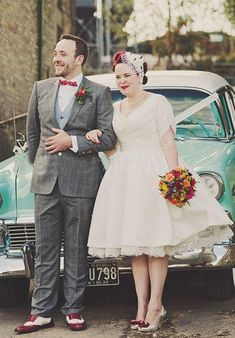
x,y
94,135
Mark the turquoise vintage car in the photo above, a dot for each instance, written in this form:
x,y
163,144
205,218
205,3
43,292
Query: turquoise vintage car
x,y
204,108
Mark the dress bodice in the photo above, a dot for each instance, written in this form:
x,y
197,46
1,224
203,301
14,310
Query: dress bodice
x,y
142,127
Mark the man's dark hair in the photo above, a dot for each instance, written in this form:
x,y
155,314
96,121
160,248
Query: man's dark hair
x,y
81,45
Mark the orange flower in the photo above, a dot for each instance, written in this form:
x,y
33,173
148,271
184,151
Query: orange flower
x,y
169,177
186,183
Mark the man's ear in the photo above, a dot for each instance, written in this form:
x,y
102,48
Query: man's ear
x,y
79,59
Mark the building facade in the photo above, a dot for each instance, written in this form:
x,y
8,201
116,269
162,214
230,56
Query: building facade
x,y
29,31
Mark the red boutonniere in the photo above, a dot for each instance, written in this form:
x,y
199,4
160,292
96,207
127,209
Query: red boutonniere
x,y
81,95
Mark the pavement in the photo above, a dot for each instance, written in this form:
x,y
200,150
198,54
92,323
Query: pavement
x,y
109,310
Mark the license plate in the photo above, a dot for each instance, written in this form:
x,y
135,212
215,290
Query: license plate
x,y
102,274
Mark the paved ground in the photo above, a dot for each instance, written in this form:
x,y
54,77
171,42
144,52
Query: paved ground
x,y
109,310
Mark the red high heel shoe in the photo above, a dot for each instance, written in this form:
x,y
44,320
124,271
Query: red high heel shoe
x,y
134,324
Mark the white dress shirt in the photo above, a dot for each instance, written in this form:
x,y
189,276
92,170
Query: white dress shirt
x,y
65,95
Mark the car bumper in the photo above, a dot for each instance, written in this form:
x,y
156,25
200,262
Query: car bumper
x,y
11,267
219,257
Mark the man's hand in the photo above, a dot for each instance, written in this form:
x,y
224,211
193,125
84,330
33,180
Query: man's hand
x,y
59,142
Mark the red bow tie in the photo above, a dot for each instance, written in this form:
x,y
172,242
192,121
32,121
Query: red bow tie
x,y
69,83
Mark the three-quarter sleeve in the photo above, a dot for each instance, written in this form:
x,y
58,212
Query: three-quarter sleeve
x,y
164,116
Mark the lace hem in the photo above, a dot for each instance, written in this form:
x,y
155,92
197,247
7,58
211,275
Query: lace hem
x,y
206,239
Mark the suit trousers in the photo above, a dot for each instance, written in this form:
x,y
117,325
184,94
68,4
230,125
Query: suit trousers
x,y
57,215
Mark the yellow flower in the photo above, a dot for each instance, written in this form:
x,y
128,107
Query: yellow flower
x,y
163,186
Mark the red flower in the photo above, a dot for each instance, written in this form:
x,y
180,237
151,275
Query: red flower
x,y
81,92
81,95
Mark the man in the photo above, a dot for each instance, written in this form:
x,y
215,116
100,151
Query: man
x,y
66,175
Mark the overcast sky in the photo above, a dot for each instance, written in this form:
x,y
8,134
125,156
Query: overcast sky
x,y
149,18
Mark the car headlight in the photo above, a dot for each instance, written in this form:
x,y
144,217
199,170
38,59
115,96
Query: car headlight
x,y
214,183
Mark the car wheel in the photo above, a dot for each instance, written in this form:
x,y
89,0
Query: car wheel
x,y
219,284
13,291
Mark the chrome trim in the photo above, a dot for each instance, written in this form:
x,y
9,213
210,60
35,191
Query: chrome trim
x,y
218,180
29,259
1,199
2,236
11,267
221,256
26,220
20,234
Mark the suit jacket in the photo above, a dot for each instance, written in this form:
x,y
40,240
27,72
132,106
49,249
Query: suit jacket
x,y
78,174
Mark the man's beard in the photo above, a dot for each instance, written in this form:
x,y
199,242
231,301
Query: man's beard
x,y
63,72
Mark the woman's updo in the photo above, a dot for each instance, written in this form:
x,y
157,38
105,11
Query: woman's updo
x,y
145,79
134,61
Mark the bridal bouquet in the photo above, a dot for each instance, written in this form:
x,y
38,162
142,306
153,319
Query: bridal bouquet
x,y
178,186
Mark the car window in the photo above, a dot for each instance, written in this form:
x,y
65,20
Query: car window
x,y
116,96
181,99
206,123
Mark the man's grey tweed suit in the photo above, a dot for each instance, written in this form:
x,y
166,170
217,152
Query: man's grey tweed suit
x,y
65,185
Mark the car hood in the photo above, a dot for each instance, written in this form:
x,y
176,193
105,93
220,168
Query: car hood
x,y
204,155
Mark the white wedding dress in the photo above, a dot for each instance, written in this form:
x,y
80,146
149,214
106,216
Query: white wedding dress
x,y
130,216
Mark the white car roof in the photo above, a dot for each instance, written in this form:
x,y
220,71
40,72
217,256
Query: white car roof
x,y
202,80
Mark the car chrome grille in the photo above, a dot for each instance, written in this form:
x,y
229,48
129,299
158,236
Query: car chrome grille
x,y
19,234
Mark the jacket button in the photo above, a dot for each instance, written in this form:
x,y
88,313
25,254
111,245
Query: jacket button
x,y
59,153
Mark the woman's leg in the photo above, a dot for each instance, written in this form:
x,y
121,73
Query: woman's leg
x,y
157,272
141,278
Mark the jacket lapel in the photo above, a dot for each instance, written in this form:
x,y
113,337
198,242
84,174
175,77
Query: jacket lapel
x,y
52,94
77,106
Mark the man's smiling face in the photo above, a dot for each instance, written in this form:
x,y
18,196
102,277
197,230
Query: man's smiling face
x,y
64,60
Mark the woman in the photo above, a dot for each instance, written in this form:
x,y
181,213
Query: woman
x,y
130,215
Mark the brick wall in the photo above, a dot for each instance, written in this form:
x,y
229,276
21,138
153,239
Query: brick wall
x,y
19,59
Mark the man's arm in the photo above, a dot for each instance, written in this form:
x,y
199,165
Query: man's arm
x,y
104,123
33,125
62,141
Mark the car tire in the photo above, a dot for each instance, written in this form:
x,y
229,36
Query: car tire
x,y
219,284
13,291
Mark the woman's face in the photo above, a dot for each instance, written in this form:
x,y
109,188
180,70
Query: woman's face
x,y
127,80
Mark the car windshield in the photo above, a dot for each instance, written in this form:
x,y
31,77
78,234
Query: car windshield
x,y
205,123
